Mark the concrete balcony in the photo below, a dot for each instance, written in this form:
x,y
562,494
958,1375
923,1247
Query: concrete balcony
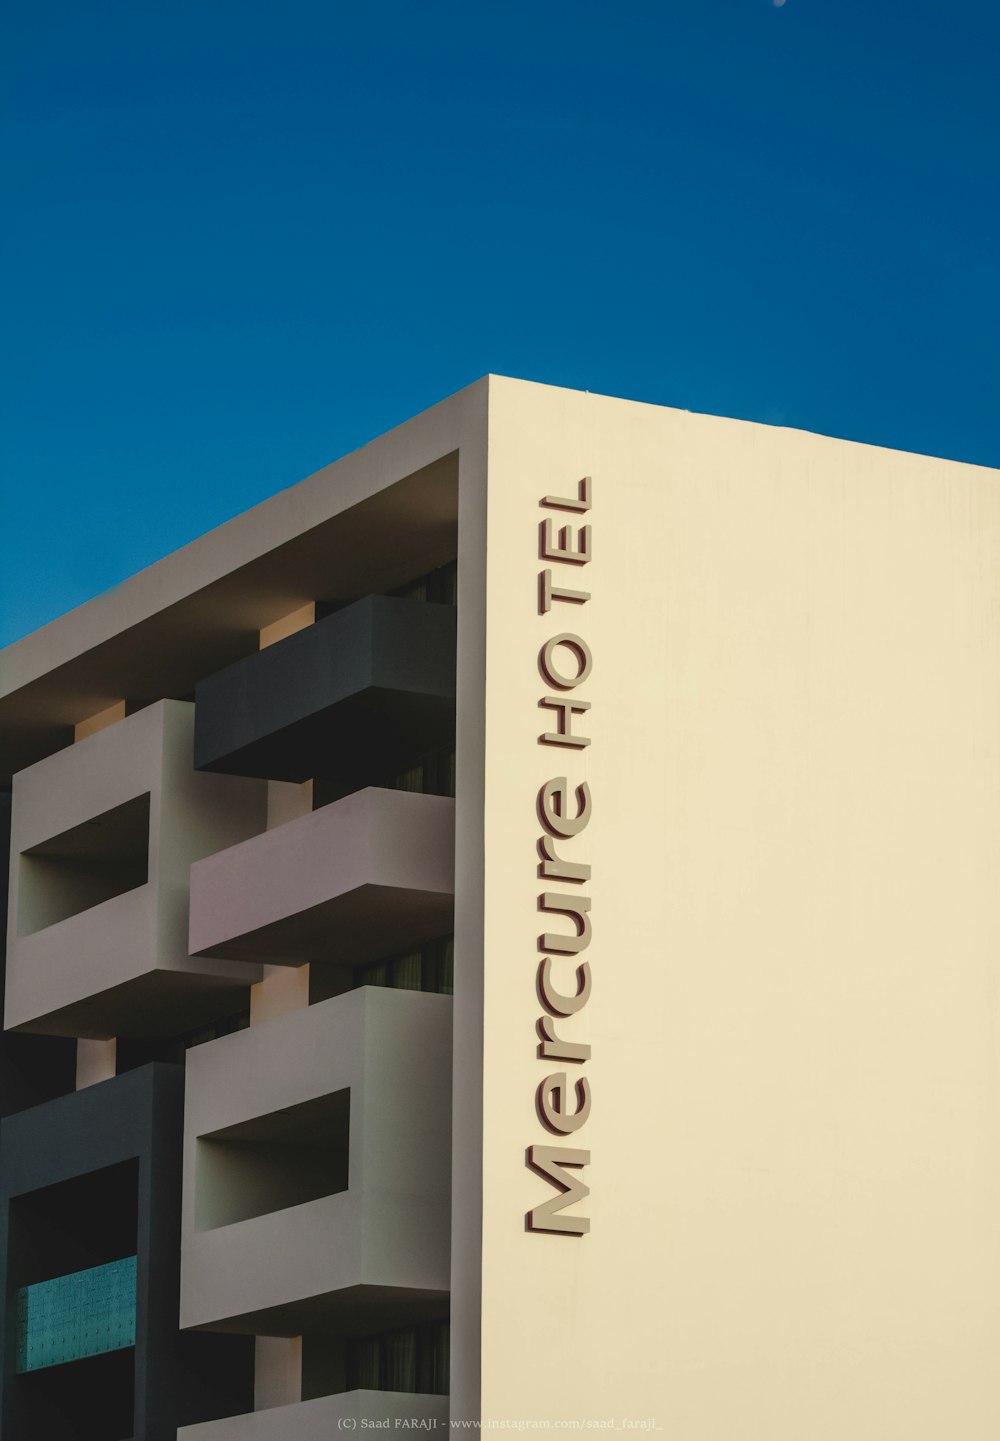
x,y
365,876
103,835
317,1161
353,699
321,1419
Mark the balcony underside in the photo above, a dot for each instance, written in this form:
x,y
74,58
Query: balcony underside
x,y
157,1004
364,924
347,1311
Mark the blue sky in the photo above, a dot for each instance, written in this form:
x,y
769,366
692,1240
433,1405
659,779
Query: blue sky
x,y
241,238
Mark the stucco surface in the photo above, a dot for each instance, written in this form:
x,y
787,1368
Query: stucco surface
x,y
795,841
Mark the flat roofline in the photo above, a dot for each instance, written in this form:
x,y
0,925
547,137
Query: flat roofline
x,y
282,516
202,606
371,520
226,547
765,425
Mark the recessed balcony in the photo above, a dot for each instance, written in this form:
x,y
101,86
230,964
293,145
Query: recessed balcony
x,y
366,876
95,861
352,699
317,1169
103,836
326,1416
33,1069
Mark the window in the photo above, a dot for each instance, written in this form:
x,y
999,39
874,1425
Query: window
x,y
411,1359
431,968
70,1317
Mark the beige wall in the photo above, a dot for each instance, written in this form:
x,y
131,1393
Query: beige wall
x,y
795,846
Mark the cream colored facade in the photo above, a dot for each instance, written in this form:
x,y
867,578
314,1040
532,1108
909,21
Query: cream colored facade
x,y
777,853
795,723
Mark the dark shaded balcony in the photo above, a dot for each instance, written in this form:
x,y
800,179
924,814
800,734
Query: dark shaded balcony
x,y
351,699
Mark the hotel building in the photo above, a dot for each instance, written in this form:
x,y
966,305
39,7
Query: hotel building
x,y
507,932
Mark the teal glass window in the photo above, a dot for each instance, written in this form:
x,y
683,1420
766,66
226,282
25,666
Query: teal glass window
x,y
84,1314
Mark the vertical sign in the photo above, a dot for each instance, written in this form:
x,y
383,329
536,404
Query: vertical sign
x,y
563,979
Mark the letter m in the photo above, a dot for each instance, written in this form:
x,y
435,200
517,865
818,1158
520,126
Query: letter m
x,y
550,1161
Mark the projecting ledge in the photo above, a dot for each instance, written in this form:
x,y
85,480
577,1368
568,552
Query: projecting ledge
x,y
368,875
362,692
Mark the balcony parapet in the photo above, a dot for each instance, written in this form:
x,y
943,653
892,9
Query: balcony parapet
x,y
353,698
363,877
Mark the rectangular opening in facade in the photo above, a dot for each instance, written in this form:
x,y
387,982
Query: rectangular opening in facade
x,y
84,866
282,1159
88,1400
72,1306
87,1221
